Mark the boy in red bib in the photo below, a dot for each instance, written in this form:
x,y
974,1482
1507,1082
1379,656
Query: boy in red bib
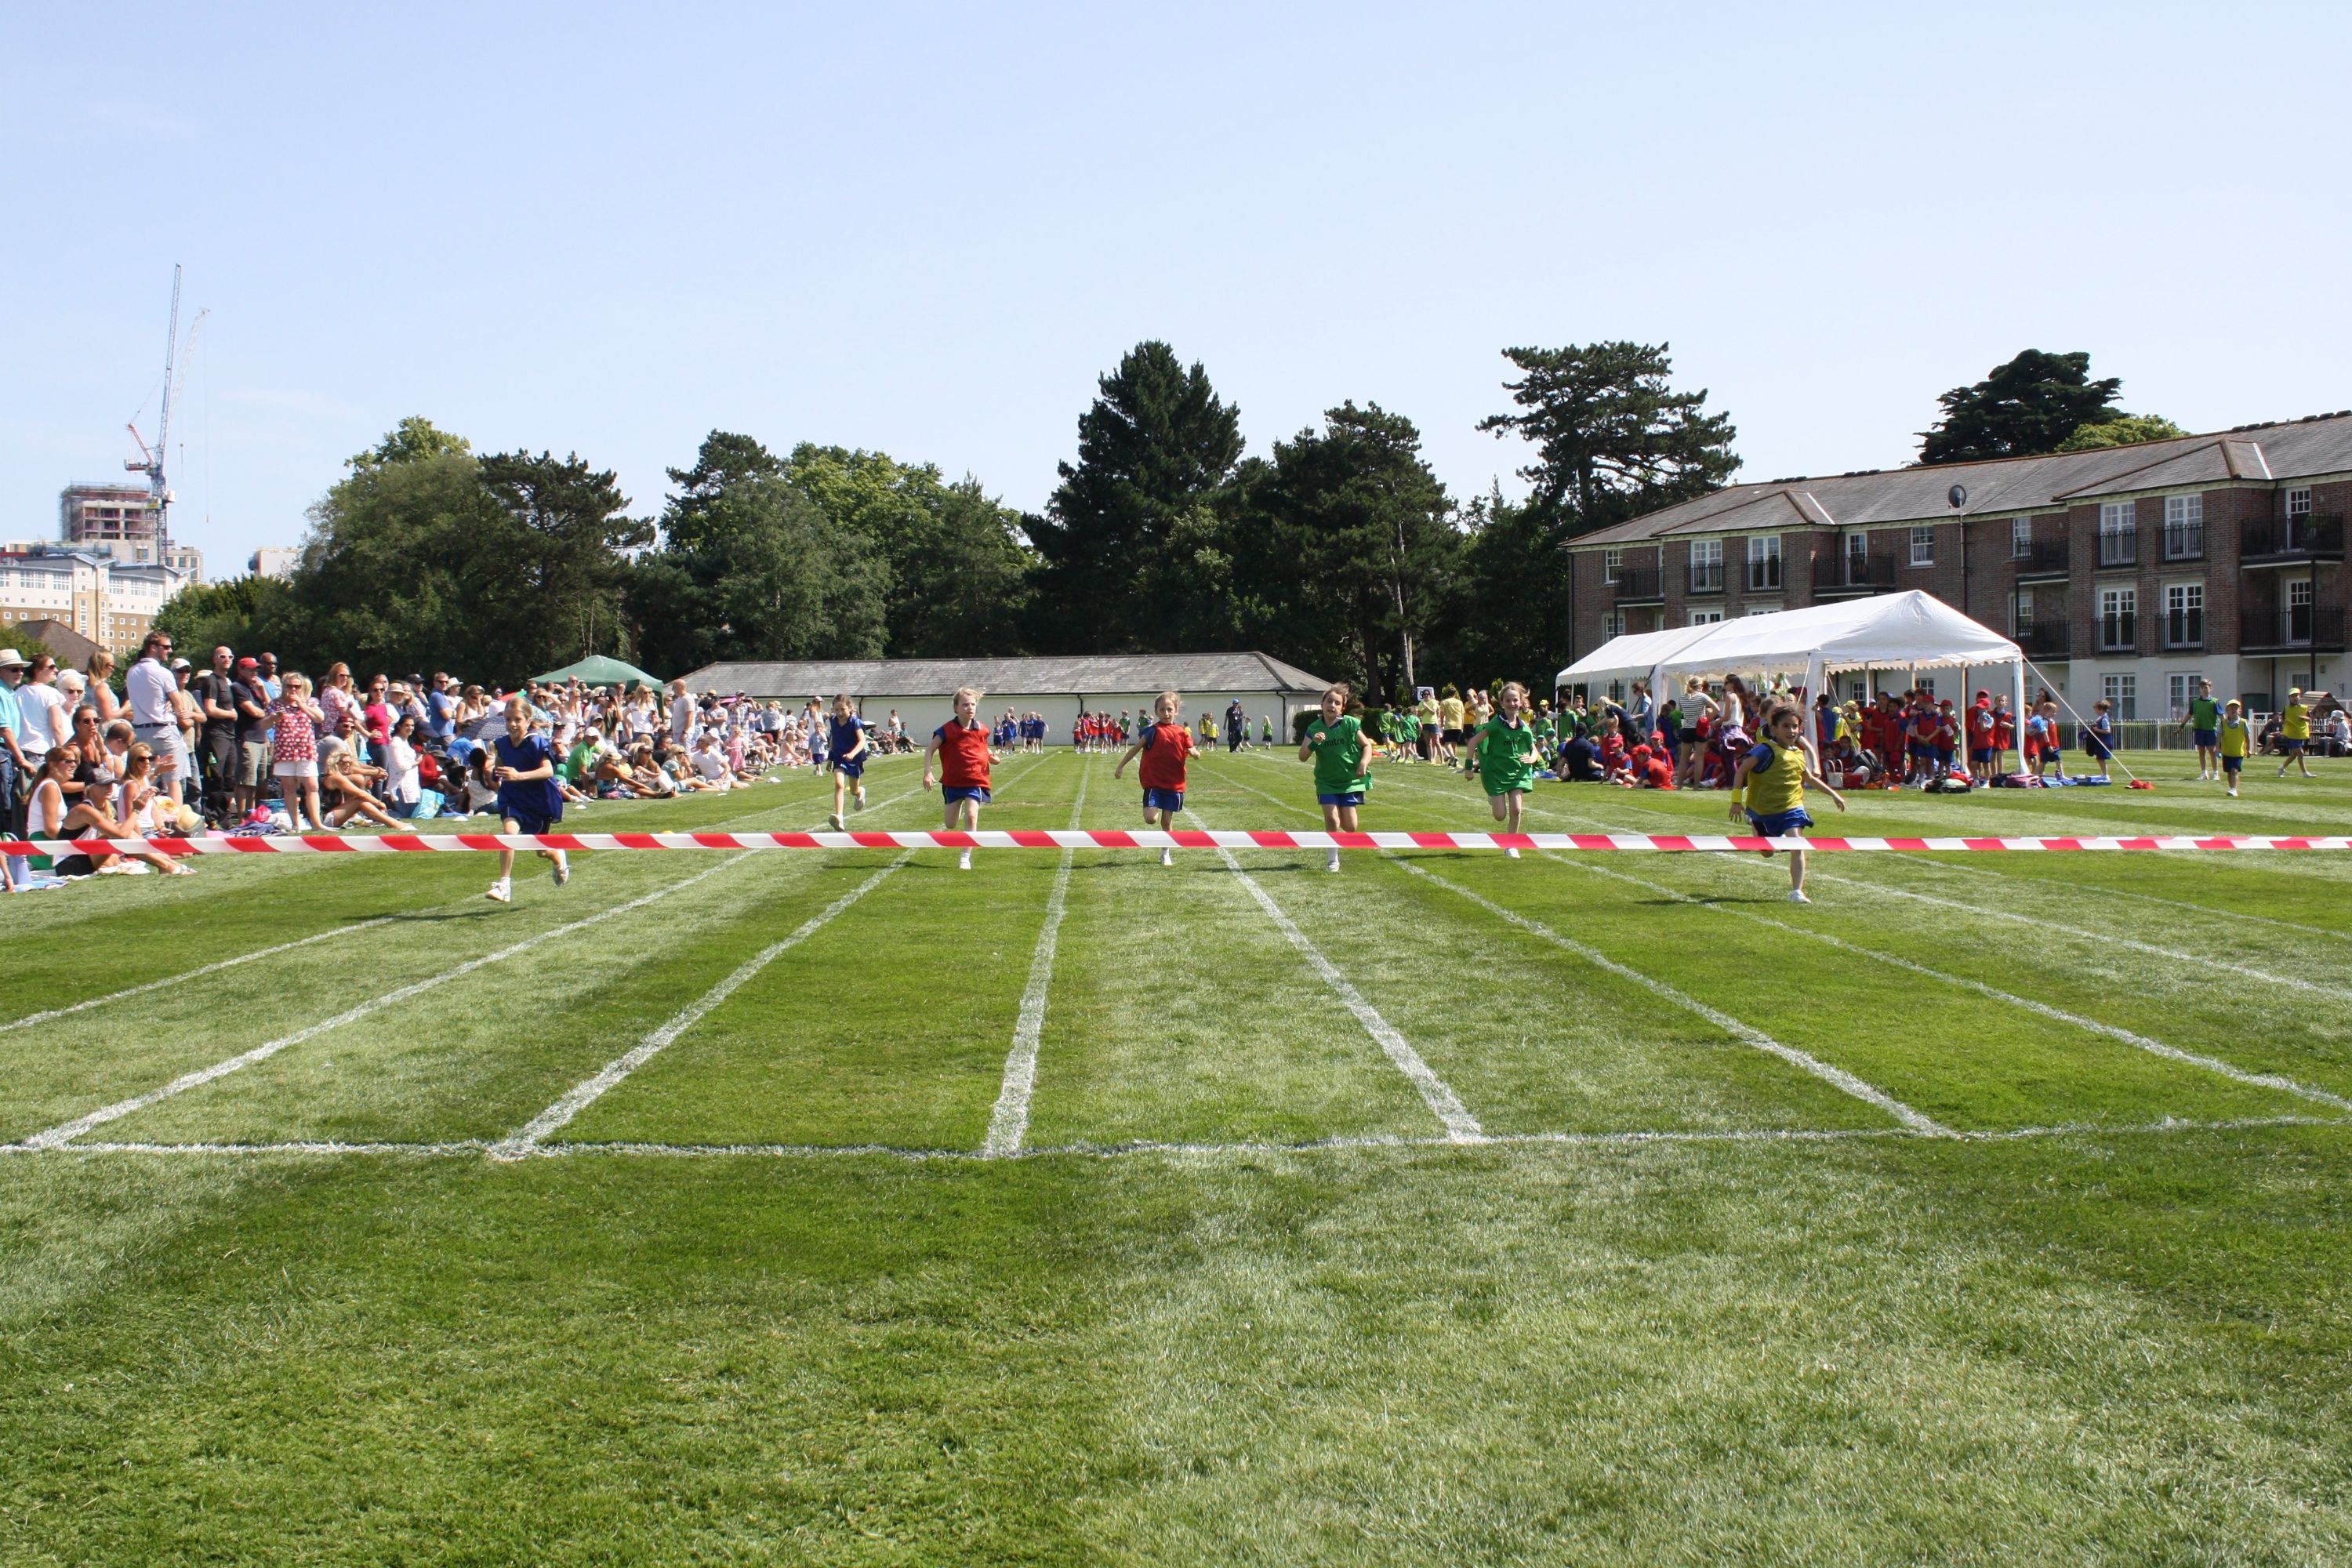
x,y
960,748
1165,746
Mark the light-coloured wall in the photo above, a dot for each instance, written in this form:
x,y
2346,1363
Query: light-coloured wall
x,y
922,715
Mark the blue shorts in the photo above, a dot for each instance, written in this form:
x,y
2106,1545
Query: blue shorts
x,y
1781,823
1163,800
1981,755
1353,798
851,770
2233,764
2209,738
954,792
528,822
2289,748
1943,756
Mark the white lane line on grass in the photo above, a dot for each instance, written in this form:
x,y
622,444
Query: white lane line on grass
x,y
1836,1077
1745,1033
197,974
215,967
1460,1126
582,1095
1008,1124
67,1131
2213,911
2043,1009
1631,1138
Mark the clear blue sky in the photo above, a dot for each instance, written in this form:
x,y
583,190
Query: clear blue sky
x,y
928,229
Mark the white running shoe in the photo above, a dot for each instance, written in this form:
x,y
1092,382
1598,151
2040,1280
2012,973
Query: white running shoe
x,y
1168,857
832,819
1334,863
500,892
1512,853
963,863
1797,896
861,798
562,872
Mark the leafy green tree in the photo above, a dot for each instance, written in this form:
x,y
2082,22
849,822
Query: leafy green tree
x,y
2129,430
957,569
1612,437
1121,544
555,584
2025,407
1348,539
1513,623
247,614
413,437
753,568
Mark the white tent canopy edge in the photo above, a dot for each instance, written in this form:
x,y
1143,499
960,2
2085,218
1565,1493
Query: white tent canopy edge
x,y
1911,630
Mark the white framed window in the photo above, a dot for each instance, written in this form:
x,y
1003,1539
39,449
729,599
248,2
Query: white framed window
x,y
2118,534
1763,563
2184,528
2122,692
2020,538
1613,625
1706,567
1928,684
2020,612
2295,616
1762,610
1705,617
1612,561
2184,615
2298,502
2179,689
2119,620
1923,545
1858,689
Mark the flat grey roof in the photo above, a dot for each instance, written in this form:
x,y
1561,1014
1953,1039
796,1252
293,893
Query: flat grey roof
x,y
1110,675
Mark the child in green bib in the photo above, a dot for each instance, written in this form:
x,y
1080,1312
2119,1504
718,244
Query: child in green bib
x,y
1505,749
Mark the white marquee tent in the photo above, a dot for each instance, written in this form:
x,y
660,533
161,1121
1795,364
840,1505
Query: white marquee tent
x,y
1894,631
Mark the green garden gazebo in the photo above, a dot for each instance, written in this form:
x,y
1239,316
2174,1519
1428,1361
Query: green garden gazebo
x,y
597,669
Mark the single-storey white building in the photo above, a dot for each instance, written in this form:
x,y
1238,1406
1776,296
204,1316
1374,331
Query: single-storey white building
x,y
922,690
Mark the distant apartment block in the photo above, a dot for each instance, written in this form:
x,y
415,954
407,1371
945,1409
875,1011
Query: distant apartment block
x,y
271,561
111,603
2127,573
117,523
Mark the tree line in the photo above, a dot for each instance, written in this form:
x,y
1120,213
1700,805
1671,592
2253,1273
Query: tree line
x,y
1339,549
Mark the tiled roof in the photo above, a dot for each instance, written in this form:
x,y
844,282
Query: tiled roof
x,y
1081,676
2261,454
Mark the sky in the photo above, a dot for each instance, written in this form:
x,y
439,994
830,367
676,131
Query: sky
x,y
928,229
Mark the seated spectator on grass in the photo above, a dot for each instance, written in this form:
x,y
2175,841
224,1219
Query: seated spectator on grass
x,y
49,816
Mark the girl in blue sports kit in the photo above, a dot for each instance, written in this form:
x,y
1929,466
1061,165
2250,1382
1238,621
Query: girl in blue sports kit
x,y
527,798
848,733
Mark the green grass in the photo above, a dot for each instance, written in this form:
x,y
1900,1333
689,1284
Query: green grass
x,y
1694,1299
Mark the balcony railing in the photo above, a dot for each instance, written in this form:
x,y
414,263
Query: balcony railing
x,y
1707,577
2184,629
2295,629
2118,549
1638,585
2314,537
2184,542
2119,634
2047,559
2044,639
1842,574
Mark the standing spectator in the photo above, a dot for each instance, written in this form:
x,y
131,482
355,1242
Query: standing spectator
x,y
215,694
402,787
253,750
1236,726
270,682
337,696
295,750
441,709
15,771
682,716
47,722
154,716
184,785
99,692
377,712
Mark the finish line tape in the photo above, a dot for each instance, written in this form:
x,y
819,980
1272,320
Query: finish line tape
x,y
1100,838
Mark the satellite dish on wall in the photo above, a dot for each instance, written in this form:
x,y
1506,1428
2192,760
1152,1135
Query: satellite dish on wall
x,y
1957,495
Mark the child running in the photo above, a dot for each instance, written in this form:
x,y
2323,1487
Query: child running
x,y
1164,745
1770,783
960,748
527,798
2294,732
1504,747
849,754
2232,741
1335,745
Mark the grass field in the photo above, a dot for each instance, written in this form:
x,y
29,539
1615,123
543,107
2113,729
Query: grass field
x,y
1451,1209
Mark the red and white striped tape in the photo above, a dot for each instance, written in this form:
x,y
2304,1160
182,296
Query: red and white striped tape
x,y
1104,838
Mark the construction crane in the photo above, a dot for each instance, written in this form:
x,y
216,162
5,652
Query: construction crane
x,y
150,460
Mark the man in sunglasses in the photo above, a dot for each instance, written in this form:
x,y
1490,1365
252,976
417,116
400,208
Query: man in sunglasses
x,y
154,717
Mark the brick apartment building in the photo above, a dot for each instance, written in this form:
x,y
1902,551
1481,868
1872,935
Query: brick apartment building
x,y
2127,573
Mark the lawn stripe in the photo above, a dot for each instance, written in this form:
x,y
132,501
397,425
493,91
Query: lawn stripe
x,y
588,1092
1631,1138
1745,1033
2212,912
197,974
1009,1122
65,1132
1460,1125
2059,1015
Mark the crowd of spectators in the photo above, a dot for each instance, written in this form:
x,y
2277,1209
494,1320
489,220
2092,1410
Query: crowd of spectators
x,y
164,750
